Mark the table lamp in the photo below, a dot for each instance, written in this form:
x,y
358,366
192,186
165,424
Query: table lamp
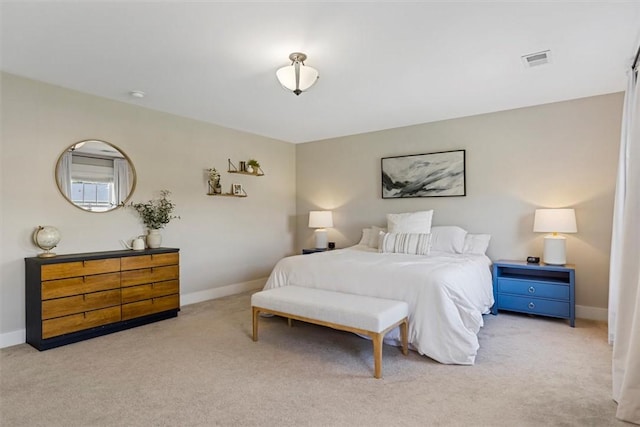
x,y
320,220
555,221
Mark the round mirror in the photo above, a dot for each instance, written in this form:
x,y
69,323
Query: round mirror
x,y
95,176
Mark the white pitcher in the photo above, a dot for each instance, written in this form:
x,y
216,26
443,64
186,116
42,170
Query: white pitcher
x,y
137,244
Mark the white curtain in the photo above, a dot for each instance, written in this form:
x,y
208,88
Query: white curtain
x,y
624,276
121,180
64,174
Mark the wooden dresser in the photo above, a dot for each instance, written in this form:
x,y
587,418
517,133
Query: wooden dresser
x,y
74,297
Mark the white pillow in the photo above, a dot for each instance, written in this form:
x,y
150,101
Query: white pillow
x,y
366,235
476,243
373,237
448,239
412,222
405,243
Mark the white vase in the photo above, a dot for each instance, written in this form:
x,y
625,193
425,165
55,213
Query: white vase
x,y
154,239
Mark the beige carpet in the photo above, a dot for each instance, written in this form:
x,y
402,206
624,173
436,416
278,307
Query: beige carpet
x,y
203,369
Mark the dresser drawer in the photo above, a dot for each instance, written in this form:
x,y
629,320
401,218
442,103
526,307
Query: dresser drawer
x,y
79,268
78,322
534,288
534,305
80,285
152,290
149,275
79,303
150,306
144,261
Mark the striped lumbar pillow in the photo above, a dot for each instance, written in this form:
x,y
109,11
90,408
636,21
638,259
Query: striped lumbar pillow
x,y
405,243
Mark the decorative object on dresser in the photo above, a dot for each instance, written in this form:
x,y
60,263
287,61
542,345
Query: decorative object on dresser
x,y
46,238
74,297
439,174
545,290
137,244
555,221
156,214
320,220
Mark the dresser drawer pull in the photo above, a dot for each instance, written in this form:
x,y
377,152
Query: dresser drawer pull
x,y
532,305
532,290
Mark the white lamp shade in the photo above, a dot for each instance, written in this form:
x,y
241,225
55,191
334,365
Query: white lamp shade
x,y
320,219
555,221
287,77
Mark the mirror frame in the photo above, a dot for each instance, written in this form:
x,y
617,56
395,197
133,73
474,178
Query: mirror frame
x,y
133,170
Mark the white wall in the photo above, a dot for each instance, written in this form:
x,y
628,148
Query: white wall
x,y
553,155
556,155
226,244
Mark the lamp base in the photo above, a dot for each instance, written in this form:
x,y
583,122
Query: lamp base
x,y
555,252
321,238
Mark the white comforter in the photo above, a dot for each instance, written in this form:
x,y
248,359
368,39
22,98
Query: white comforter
x,y
447,294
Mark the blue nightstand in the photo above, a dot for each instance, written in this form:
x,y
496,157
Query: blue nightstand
x,y
542,289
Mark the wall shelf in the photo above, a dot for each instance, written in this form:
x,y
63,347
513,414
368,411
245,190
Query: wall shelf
x,y
233,169
248,173
229,194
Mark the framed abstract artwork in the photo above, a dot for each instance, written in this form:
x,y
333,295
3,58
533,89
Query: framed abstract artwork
x,y
439,174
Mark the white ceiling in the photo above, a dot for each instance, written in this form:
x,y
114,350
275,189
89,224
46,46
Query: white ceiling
x,y
382,65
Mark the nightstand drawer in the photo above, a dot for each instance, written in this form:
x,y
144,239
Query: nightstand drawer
x,y
534,305
533,288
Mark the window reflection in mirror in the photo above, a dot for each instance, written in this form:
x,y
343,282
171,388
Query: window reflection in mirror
x,y
95,176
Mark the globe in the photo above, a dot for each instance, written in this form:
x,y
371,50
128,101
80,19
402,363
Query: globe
x,y
46,238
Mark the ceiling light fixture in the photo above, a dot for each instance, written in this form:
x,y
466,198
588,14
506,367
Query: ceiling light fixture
x,y
297,77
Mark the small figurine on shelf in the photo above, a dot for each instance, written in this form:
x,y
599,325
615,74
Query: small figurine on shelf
x,y
253,166
214,181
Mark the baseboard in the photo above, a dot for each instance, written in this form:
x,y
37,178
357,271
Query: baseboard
x,y
223,291
19,337
592,313
13,338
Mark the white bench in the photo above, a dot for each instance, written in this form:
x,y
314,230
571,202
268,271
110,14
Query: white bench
x,y
365,315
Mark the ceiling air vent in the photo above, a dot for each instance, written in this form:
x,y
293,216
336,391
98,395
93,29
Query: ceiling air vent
x,y
535,59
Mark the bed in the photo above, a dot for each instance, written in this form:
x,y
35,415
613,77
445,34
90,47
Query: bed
x,y
447,292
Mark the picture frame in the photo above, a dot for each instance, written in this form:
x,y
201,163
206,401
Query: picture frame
x,y
438,174
236,189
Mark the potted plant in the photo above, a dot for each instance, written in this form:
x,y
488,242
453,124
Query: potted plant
x,y
254,165
214,181
156,214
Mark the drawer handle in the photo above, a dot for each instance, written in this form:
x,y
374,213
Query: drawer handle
x,y
532,290
532,305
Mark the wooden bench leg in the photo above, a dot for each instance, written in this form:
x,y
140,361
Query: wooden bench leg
x,y
405,336
256,315
377,355
290,321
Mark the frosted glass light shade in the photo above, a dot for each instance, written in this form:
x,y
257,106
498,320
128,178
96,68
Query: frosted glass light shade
x,y
555,221
320,219
297,77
